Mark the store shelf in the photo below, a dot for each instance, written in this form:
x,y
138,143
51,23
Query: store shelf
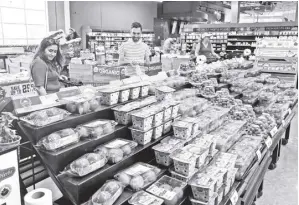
x,y
240,46
241,40
81,188
279,72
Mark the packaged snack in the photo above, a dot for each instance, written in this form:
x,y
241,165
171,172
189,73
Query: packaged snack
x,y
138,175
163,93
203,186
141,137
180,176
96,128
108,193
109,96
86,164
45,117
169,189
144,198
184,162
82,104
117,149
59,139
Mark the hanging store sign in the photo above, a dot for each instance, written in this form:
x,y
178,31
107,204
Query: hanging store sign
x,y
105,74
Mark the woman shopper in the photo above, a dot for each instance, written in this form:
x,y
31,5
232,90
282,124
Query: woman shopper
x,y
46,66
204,47
72,34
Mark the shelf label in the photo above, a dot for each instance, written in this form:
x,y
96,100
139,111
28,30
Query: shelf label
x,y
259,155
289,111
234,198
273,131
268,142
283,123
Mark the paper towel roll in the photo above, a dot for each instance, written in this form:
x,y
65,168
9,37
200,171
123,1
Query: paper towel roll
x,y
39,196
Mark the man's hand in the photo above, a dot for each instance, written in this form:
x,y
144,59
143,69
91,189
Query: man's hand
x,y
63,77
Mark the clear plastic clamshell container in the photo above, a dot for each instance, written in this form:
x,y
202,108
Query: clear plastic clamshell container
x,y
86,164
82,104
169,189
162,153
184,161
182,130
96,128
142,137
205,141
143,120
109,96
144,198
59,139
138,176
117,149
201,153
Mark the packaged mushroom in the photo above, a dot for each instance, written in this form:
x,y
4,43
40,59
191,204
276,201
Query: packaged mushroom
x,y
96,128
117,149
86,164
59,139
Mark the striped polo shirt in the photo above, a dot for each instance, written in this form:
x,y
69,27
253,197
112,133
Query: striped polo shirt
x,y
134,51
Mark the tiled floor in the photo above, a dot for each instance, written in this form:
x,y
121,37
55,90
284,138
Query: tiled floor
x,y
281,184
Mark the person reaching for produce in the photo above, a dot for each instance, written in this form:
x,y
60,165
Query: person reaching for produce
x,y
72,34
204,47
134,51
168,44
46,66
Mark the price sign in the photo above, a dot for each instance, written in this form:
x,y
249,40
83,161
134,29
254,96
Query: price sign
x,y
259,155
268,142
234,198
273,131
17,89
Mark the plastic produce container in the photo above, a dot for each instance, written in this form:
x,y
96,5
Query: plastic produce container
x,y
184,162
142,120
180,176
212,201
203,187
162,153
96,128
157,132
174,141
124,95
45,117
109,96
142,137
86,164
182,129
169,189
201,153
164,93
138,176
117,149
144,198
194,123
158,118
205,141
167,127
82,104
59,139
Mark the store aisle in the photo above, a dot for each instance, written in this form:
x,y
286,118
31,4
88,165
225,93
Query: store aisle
x,y
281,184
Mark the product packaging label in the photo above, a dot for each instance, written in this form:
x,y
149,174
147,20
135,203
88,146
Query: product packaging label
x,y
268,142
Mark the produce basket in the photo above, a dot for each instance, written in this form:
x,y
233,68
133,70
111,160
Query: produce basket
x,y
86,164
138,175
182,130
109,96
169,189
45,117
203,187
184,162
180,176
59,139
107,194
96,128
144,198
117,149
142,137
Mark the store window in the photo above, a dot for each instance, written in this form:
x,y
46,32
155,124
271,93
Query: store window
x,y
22,22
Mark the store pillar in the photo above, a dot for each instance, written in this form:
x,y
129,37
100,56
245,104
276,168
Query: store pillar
x,y
235,11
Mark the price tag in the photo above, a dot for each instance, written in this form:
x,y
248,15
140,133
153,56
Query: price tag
x,y
283,123
49,99
268,142
273,131
234,198
259,155
289,111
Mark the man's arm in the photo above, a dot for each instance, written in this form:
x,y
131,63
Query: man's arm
x,y
121,59
147,55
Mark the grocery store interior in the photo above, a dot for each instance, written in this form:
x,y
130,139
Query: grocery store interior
x,y
148,102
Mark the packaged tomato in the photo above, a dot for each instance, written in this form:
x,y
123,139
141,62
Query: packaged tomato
x,y
82,104
96,128
59,139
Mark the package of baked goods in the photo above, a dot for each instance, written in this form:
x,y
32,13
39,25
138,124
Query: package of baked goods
x,y
59,139
203,186
144,198
82,104
96,128
117,149
107,194
169,189
138,176
227,134
86,164
184,161
44,117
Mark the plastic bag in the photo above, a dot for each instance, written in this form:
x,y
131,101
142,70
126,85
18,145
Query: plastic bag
x,y
138,175
59,139
96,128
86,164
45,117
117,149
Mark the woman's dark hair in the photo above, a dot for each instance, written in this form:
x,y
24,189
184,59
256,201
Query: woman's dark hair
x,y
70,37
46,42
136,25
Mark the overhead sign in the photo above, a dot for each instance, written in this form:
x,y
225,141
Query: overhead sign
x,y
105,74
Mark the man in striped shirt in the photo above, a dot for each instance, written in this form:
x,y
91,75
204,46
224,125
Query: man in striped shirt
x,y
134,51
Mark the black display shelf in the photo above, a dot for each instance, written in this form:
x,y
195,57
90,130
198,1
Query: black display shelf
x,y
80,187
